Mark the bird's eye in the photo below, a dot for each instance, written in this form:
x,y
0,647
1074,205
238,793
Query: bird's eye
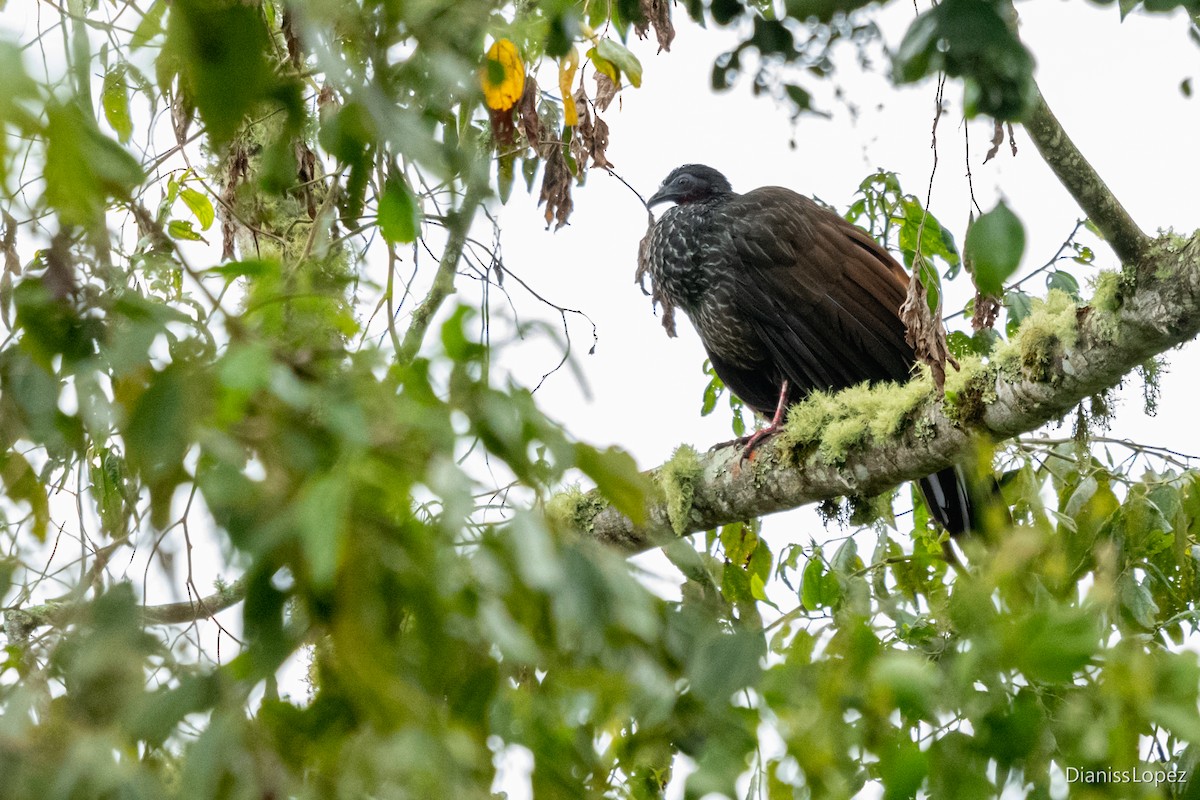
x,y
684,181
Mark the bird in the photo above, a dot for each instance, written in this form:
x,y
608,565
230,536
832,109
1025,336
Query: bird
x,y
787,297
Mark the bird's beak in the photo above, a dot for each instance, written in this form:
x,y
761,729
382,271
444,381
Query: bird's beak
x,y
664,194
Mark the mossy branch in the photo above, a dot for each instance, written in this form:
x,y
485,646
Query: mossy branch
x,y
1133,316
1085,185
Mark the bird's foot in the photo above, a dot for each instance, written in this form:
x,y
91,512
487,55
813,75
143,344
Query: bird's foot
x,y
748,443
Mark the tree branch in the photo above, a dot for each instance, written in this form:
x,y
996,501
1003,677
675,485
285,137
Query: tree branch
x,y
1084,184
1153,308
459,225
20,622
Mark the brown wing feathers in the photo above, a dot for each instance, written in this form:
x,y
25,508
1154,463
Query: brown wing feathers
x,y
826,311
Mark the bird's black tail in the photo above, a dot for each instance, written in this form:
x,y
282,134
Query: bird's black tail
x,y
948,500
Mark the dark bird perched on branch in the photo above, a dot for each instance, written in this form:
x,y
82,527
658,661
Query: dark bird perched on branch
x,y
787,297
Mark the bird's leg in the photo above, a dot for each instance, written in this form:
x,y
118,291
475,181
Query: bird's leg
x,y
777,420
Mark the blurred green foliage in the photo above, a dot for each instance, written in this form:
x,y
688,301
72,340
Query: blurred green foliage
x,y
162,394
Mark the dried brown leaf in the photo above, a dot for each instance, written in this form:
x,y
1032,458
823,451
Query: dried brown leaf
x,y
599,144
12,261
986,310
504,128
591,137
924,331
639,277
236,169
556,189
59,277
306,173
997,140
606,90
657,15
527,111
326,97
292,38
1012,139
581,141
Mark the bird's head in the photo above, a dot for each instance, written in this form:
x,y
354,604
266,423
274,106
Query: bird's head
x,y
691,183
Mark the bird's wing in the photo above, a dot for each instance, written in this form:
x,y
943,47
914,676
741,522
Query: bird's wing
x,y
821,294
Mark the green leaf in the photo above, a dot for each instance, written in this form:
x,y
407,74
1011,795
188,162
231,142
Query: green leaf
x,y
616,476
398,212
182,229
115,99
251,268
21,484
616,53
150,26
604,66
200,205
222,52
739,541
1019,305
1054,642
1065,281
818,588
84,168
995,244
321,515
1137,604
158,434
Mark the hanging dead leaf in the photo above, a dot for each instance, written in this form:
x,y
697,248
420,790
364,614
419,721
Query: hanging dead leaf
x,y
639,277
599,144
657,15
581,140
924,331
591,137
237,167
997,140
606,90
59,277
566,76
504,129
527,111
502,76
291,38
986,310
12,261
306,174
556,189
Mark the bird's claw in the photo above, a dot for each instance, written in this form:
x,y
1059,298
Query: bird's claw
x,y
747,444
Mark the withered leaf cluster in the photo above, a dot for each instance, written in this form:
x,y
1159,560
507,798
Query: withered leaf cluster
x,y
591,136
556,188
588,142
656,15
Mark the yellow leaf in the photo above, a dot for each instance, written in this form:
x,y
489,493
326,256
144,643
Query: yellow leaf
x,y
566,76
503,76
